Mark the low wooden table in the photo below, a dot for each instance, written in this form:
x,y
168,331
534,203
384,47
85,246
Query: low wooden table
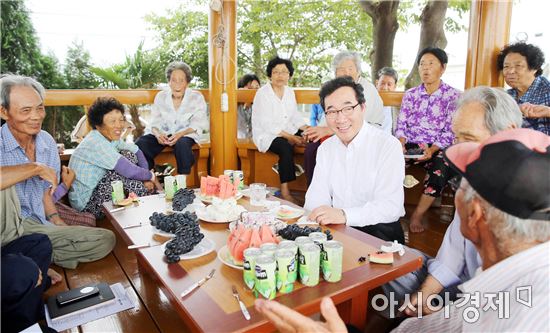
x,y
212,307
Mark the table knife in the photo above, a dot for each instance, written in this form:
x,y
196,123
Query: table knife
x,y
197,284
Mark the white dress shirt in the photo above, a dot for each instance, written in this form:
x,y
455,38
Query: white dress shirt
x,y
365,178
271,115
515,275
190,114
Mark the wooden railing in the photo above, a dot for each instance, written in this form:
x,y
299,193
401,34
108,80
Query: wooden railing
x,y
82,97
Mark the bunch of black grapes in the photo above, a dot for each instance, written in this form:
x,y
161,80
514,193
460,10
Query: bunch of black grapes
x,y
293,231
182,198
186,228
170,222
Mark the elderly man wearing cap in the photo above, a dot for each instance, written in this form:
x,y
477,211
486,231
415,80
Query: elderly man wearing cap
x,y
481,112
504,207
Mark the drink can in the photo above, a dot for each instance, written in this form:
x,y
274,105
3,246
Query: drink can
x,y
239,175
249,274
286,270
331,261
302,240
229,173
268,249
181,182
319,239
169,186
309,263
266,285
117,191
289,245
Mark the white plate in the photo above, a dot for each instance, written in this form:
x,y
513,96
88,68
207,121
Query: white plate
x,y
203,215
204,247
413,156
209,200
163,233
225,258
296,212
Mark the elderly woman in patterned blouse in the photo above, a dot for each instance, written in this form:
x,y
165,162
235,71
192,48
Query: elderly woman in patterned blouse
x,y
102,157
178,119
521,65
424,126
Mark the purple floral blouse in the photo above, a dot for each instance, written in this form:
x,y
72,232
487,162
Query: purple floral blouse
x,y
427,118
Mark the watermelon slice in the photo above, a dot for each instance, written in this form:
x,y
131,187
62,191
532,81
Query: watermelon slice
x,y
255,239
267,235
203,185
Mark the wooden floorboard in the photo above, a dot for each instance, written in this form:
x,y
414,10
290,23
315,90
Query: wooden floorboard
x,y
108,270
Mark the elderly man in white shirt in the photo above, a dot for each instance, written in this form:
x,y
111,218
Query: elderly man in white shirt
x,y
504,208
345,63
178,118
276,122
359,175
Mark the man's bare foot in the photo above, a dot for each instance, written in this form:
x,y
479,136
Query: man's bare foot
x,y
415,225
54,276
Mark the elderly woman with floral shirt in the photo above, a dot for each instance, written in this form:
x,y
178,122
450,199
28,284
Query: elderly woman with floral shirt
x,y
178,119
424,126
521,66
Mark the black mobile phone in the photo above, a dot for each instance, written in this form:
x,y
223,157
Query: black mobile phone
x,y
76,294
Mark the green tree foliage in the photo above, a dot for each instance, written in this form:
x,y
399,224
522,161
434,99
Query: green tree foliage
x,y
60,121
307,32
140,70
183,36
77,70
20,49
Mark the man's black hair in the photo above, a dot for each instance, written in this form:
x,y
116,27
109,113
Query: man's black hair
x,y
343,81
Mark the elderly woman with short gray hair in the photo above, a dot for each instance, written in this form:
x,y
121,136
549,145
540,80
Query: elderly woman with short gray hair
x,y
178,118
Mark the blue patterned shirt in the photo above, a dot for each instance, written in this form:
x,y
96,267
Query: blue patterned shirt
x,y
30,191
90,161
538,94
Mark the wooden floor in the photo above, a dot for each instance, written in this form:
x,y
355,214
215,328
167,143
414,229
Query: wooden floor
x,y
153,312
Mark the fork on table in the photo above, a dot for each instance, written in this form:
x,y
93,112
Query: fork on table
x,y
241,304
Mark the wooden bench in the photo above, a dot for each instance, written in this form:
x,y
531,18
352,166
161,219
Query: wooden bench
x,y
200,168
257,166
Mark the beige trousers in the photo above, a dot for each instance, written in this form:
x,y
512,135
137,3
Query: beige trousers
x,y
71,244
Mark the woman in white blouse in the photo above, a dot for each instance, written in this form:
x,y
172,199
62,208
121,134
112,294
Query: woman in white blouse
x,y
276,123
178,118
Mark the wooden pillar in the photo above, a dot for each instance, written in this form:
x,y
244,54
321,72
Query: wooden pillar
x,y
489,32
222,73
